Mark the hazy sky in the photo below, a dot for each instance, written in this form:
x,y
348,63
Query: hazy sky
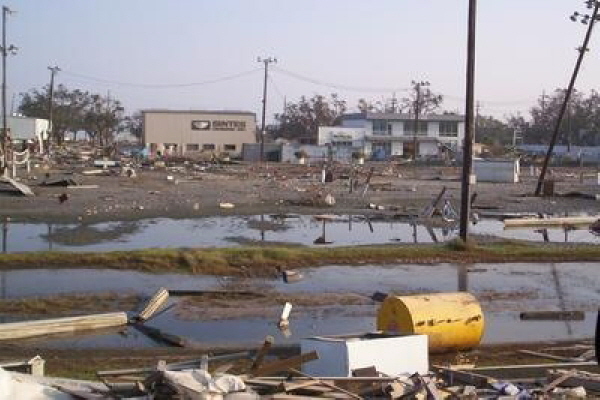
x,y
369,49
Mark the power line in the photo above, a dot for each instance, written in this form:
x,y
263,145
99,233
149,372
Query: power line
x,y
335,85
160,85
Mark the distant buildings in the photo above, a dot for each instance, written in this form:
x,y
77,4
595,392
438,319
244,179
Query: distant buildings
x,y
186,133
382,135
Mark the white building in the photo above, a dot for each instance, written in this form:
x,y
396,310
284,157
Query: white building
x,y
26,128
382,135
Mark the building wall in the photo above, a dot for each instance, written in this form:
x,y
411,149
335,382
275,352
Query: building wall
x,y
194,131
26,128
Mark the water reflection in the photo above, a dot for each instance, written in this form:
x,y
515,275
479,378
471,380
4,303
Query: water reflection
x,y
331,230
504,291
87,234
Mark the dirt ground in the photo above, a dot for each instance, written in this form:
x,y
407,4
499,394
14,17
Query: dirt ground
x,y
187,192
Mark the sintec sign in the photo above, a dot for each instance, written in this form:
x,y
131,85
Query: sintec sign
x,y
218,125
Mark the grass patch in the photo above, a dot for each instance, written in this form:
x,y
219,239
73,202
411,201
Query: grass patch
x,y
70,304
263,261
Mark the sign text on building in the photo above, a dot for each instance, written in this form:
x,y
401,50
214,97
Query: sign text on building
x,y
219,125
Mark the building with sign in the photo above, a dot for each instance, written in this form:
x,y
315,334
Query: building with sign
x,y
382,135
188,133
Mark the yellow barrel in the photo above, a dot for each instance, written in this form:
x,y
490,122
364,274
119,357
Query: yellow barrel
x,y
452,321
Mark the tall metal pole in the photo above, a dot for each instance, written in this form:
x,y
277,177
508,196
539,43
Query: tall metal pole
x,y
5,11
563,107
266,62
465,206
53,71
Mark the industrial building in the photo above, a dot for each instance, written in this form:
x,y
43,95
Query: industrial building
x,y
382,135
189,133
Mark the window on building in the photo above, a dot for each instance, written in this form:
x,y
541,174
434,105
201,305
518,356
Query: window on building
x,y
409,128
449,128
342,143
208,146
229,147
192,147
382,127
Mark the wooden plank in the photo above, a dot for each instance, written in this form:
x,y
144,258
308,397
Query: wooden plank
x,y
260,355
546,355
556,221
282,365
174,366
27,329
328,384
468,377
294,385
553,315
154,304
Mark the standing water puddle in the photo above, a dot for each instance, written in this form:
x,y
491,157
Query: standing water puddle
x,y
240,230
504,290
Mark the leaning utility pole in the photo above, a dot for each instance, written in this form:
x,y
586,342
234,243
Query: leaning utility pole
x,y
266,61
53,71
465,204
585,19
417,109
4,137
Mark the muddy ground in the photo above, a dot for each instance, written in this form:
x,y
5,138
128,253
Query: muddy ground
x,y
273,188
254,189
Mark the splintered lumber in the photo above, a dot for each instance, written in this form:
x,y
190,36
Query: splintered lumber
x,y
588,380
154,304
285,364
555,221
27,329
556,382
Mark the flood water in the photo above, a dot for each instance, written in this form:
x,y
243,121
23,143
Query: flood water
x,y
227,231
504,290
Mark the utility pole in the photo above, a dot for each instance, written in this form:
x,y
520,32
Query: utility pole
x,y
266,62
585,19
53,71
465,201
5,138
417,109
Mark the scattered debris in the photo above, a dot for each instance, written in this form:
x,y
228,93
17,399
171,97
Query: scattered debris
x,y
9,185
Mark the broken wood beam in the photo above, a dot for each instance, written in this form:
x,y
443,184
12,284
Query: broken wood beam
x,y
262,352
555,221
27,329
154,304
455,375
